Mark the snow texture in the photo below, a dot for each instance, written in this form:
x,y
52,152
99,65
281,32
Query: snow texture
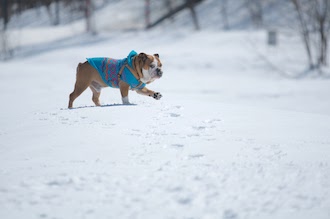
x,y
239,133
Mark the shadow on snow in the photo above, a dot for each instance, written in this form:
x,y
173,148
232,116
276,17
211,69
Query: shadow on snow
x,y
107,105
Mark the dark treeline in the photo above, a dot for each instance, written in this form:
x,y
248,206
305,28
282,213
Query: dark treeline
x,y
9,8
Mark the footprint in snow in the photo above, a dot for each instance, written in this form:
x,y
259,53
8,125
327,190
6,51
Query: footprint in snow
x,y
199,128
184,201
174,115
229,214
179,107
210,121
177,145
195,156
43,215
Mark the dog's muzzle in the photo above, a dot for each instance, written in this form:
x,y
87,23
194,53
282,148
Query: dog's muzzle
x,y
159,72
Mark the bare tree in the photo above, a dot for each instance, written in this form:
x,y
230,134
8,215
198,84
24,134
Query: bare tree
x,y
224,13
4,13
314,20
57,12
89,14
5,51
173,10
304,31
191,5
321,25
255,10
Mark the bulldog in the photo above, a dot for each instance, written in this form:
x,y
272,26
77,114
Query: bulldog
x,y
133,72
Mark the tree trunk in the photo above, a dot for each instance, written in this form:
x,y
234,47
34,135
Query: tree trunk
x,y
191,5
323,47
255,10
321,14
304,32
147,12
5,13
89,9
88,15
57,12
224,13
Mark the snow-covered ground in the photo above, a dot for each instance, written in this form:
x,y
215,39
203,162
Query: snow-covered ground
x,y
231,138
241,131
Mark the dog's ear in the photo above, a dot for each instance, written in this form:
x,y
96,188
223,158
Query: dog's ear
x,y
157,55
143,57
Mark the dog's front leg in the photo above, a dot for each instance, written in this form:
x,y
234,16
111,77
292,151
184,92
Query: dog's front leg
x,y
124,88
150,93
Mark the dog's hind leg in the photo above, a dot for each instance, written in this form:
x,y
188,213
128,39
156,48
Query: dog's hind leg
x,y
82,83
78,89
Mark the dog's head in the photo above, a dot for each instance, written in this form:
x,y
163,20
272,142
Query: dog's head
x,y
151,67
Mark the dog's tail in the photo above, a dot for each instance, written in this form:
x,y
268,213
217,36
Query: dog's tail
x,y
78,66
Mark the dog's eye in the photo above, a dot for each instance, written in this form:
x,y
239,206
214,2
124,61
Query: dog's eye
x,y
152,66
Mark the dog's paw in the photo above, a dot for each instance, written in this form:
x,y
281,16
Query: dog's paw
x,y
157,95
125,101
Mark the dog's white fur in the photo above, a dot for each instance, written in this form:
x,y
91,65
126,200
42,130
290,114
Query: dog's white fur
x,y
125,100
151,74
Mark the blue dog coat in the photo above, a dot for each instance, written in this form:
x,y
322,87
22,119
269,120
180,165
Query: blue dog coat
x,y
109,69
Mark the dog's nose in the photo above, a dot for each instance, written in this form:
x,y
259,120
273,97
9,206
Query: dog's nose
x,y
159,72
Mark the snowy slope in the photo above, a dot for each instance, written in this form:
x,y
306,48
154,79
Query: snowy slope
x,y
241,132
231,138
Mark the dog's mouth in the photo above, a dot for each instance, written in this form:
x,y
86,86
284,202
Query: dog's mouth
x,y
159,72
156,73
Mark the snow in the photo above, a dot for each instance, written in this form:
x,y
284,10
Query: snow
x,y
239,132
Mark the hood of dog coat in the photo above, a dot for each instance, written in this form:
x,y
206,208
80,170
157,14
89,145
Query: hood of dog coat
x,y
130,58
